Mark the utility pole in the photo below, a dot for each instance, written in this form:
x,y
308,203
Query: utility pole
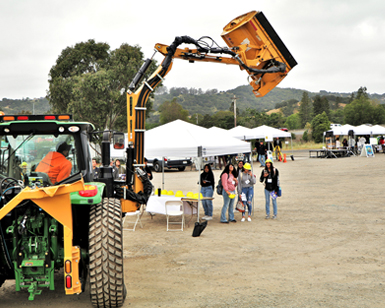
x,y
235,110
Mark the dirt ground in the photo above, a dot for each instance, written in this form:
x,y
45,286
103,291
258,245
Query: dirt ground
x,y
326,249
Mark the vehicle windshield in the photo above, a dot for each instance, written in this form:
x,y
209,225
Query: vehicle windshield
x,y
29,154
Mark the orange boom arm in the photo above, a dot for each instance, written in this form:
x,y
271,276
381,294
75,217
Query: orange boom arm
x,y
252,44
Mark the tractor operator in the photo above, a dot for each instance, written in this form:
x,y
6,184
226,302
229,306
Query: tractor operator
x,y
55,164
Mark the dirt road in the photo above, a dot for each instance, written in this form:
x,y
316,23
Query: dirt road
x,y
326,249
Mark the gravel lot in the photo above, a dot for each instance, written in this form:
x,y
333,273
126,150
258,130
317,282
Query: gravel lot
x,y
326,249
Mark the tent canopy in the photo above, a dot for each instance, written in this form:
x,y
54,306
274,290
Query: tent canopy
x,y
239,132
358,130
261,132
182,139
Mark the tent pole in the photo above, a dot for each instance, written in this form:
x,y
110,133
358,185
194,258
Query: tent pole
x,y
252,170
162,172
199,180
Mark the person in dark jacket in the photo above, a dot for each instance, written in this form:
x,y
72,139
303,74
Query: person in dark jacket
x,y
261,154
207,182
270,176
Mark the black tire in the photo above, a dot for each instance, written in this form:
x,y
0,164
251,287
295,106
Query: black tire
x,y
181,168
157,167
106,254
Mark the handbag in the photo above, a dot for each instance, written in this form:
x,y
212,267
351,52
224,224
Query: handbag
x,y
219,187
198,228
240,207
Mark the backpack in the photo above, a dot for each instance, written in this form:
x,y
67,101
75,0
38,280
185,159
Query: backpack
x,y
219,187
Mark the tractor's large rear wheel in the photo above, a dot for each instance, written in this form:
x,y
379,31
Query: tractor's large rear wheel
x,y
106,254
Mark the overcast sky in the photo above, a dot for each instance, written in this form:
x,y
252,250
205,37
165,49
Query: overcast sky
x,y
339,45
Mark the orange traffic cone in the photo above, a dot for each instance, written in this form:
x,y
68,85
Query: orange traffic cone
x,y
284,158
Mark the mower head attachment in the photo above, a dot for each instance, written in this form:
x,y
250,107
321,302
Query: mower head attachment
x,y
260,51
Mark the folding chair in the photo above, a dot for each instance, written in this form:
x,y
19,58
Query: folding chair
x,y
137,214
174,208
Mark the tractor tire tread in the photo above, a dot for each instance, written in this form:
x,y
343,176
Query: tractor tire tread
x,y
106,254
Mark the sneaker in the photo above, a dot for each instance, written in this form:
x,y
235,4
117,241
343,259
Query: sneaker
x,y
204,217
267,217
233,220
243,219
224,222
274,217
209,218
249,218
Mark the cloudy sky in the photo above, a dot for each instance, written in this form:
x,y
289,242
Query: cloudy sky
x,y
339,45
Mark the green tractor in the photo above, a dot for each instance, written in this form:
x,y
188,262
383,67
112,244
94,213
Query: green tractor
x,y
74,225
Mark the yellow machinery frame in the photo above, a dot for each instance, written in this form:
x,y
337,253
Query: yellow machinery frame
x,y
56,201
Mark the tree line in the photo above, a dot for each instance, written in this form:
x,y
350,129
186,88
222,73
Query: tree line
x,y
314,114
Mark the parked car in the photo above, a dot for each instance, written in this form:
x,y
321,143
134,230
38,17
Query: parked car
x,y
283,129
169,163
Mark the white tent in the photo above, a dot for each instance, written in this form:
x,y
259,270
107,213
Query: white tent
x,y
378,130
219,130
182,139
363,130
358,130
239,132
346,128
263,131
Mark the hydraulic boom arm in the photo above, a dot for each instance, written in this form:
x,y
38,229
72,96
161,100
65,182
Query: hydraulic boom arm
x,y
252,44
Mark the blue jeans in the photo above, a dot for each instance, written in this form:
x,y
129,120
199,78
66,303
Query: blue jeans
x,y
267,204
207,204
249,193
262,159
228,204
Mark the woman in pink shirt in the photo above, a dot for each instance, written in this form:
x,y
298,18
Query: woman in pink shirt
x,y
229,182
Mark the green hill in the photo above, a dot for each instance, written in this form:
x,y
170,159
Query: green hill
x,y
24,105
211,101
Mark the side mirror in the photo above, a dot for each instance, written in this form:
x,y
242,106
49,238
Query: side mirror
x,y
118,141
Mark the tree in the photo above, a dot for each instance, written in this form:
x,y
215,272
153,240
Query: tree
x,y
358,112
276,120
252,118
305,109
319,125
320,105
293,121
90,81
171,111
223,119
207,121
337,116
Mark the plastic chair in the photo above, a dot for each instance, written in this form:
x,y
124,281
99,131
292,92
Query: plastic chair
x,y
174,208
138,214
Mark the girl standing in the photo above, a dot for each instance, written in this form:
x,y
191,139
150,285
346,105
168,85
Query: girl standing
x,y
207,190
270,175
246,181
229,182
